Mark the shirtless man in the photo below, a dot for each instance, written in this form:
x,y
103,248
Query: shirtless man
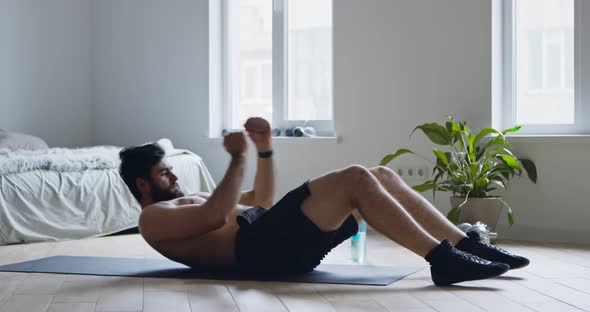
x,y
234,230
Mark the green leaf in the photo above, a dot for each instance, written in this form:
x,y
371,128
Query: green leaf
x,y
428,185
499,183
390,157
441,156
454,215
470,140
472,156
485,132
454,125
530,168
501,150
454,129
479,152
486,167
511,130
510,214
438,175
449,126
510,217
510,161
436,133
473,170
483,181
499,140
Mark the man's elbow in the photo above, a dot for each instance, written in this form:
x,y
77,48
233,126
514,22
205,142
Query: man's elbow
x,y
219,222
216,219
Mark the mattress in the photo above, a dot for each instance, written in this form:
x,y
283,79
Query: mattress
x,y
49,205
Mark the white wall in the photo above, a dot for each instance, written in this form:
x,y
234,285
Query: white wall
x,y
150,71
45,69
397,63
557,207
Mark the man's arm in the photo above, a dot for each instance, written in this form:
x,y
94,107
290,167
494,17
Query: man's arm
x,y
161,222
264,185
263,192
264,182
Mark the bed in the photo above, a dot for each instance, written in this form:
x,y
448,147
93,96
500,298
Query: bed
x,y
59,194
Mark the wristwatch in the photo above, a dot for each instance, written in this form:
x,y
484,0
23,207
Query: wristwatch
x,y
266,154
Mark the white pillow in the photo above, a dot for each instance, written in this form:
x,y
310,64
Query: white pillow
x,y
15,140
166,144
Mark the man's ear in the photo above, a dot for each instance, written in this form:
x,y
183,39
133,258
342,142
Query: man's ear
x,y
142,185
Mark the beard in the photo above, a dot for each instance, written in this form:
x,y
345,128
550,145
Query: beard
x,y
163,194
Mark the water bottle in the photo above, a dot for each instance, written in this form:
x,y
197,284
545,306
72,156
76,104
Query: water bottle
x,y
359,243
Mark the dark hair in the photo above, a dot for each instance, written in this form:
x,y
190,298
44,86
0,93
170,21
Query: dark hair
x,y
136,162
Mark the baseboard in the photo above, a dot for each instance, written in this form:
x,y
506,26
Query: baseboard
x,y
538,234
544,234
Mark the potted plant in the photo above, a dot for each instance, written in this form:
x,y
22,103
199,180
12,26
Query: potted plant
x,y
472,168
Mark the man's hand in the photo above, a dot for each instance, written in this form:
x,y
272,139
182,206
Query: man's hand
x,y
259,131
235,144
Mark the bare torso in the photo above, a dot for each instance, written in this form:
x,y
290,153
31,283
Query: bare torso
x,y
213,250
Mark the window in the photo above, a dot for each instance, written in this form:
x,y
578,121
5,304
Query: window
x,y
277,63
540,66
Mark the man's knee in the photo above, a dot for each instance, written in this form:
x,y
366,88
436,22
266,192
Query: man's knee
x,y
359,180
357,173
385,174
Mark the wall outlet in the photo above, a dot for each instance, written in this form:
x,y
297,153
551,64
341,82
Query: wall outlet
x,y
414,172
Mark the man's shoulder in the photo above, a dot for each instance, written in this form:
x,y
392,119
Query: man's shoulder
x,y
149,209
193,199
161,204
203,195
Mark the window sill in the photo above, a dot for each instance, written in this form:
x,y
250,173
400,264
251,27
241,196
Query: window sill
x,y
548,138
294,140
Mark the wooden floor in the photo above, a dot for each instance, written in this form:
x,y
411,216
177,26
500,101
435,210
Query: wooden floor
x,y
558,279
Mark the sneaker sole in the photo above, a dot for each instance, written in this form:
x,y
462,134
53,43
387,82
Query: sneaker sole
x,y
441,281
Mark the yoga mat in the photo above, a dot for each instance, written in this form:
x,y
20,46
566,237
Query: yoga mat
x,y
106,266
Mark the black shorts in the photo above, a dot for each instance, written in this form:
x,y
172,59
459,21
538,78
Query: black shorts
x,y
283,239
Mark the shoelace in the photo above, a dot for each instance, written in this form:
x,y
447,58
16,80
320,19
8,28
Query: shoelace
x,y
470,257
498,249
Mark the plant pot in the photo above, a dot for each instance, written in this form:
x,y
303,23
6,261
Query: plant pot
x,y
486,210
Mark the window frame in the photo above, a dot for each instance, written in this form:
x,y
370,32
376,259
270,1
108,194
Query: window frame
x,y
508,116
230,92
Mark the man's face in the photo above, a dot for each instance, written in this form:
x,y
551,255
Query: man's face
x,y
162,182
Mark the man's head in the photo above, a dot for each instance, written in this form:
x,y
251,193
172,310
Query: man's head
x,y
148,174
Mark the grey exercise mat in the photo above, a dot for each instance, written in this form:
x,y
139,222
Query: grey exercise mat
x,y
106,266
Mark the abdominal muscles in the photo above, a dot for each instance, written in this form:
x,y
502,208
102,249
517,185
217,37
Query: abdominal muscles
x,y
214,250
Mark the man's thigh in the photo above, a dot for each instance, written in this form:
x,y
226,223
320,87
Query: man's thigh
x,y
330,201
284,239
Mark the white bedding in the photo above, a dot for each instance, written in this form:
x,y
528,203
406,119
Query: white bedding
x,y
48,205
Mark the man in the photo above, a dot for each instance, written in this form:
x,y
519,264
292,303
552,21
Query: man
x,y
219,230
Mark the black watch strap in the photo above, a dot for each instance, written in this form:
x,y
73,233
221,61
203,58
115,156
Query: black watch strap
x,y
266,154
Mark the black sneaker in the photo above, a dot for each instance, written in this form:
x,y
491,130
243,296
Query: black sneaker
x,y
474,245
448,265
